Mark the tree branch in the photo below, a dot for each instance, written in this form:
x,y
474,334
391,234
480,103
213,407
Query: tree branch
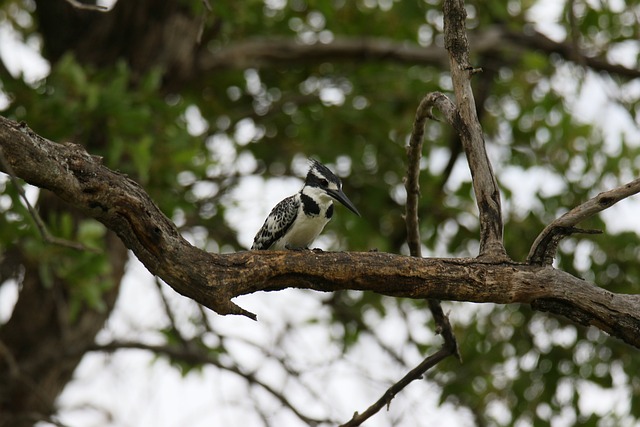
x,y
415,374
414,153
40,225
412,185
485,185
265,52
212,279
195,356
495,41
544,247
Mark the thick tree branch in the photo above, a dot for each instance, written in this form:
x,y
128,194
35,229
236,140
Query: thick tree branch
x,y
495,41
120,204
213,280
544,247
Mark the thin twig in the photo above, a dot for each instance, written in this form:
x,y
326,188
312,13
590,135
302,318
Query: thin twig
x,y
197,356
84,6
544,247
412,184
42,228
415,374
414,153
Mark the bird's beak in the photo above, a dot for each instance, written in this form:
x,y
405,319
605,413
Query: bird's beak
x,y
342,198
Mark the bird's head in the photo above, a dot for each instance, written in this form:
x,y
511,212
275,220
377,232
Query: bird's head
x,y
321,177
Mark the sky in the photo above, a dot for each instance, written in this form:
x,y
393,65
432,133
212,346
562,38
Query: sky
x,y
108,389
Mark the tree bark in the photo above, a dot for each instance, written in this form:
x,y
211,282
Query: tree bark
x,y
213,280
38,345
37,356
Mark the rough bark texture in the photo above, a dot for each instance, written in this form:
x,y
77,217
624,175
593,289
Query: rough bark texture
x,y
485,185
213,280
39,343
38,346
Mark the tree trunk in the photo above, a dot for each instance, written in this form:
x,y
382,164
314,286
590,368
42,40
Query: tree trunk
x,y
39,344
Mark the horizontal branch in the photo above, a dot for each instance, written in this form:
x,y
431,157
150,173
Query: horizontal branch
x,y
213,280
275,51
266,52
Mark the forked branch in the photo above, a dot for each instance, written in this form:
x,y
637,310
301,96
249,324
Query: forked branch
x,y
412,185
213,280
545,246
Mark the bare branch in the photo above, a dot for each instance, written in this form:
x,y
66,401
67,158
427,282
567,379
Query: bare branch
x,y
485,185
415,374
414,152
196,356
412,184
544,247
535,40
265,52
213,280
495,41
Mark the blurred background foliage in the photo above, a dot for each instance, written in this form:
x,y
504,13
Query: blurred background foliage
x,y
558,131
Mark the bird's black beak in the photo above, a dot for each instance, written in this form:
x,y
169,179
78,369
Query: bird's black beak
x,y
342,198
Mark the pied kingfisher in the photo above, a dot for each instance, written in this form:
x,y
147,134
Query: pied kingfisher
x,y
295,222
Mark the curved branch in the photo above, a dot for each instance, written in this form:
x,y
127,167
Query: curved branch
x,y
213,279
544,247
414,153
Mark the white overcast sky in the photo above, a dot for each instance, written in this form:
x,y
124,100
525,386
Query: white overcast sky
x,y
131,389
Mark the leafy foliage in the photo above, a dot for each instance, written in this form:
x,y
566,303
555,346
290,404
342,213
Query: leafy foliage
x,y
192,148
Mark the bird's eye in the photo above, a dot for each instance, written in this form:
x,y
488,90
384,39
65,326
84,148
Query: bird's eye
x,y
324,182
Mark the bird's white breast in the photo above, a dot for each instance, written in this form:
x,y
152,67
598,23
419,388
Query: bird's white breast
x,y
303,232
306,228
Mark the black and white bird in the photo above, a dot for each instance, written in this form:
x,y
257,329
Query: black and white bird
x,y
296,221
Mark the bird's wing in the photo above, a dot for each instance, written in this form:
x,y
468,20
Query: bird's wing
x,y
277,223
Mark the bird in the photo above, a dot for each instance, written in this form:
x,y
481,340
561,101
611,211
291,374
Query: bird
x,y
296,221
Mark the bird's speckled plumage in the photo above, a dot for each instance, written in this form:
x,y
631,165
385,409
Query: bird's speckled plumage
x,y
296,221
